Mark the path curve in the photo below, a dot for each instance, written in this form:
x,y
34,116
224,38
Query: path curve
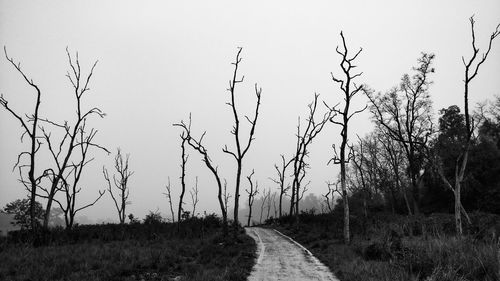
x,y
282,258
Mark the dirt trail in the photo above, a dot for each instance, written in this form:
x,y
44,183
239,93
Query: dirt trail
x,y
281,258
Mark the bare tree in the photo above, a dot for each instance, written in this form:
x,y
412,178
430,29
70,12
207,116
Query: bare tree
x,y
35,143
270,200
329,201
264,198
121,183
76,136
240,150
226,196
194,196
471,71
198,146
251,195
304,139
281,180
405,114
184,158
71,187
168,193
349,90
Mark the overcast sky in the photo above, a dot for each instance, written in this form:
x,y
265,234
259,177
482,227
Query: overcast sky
x,y
161,60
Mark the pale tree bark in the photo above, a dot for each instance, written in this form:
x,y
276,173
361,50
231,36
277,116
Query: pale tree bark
x,y
194,196
349,90
35,143
241,150
251,196
471,70
121,183
264,198
168,193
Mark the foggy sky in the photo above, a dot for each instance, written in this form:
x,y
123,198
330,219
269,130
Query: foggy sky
x,y
161,60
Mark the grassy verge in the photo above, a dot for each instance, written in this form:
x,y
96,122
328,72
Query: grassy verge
x,y
383,254
151,256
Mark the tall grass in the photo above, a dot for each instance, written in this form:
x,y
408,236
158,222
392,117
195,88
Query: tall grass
x,y
142,252
387,247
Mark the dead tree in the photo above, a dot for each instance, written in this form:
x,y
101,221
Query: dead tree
x,y
241,151
184,158
75,136
168,193
471,71
71,187
35,143
264,198
281,180
194,196
198,146
121,183
269,202
251,196
226,196
405,114
329,201
304,139
349,90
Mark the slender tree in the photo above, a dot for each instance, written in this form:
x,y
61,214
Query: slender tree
x,y
241,151
349,89
184,158
471,70
121,183
251,196
75,136
194,196
198,146
264,198
35,143
304,139
168,193
281,180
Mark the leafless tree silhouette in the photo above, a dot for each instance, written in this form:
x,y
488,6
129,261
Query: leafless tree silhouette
x,y
264,198
194,196
304,139
121,183
251,196
198,146
349,90
32,133
281,171
241,151
184,158
226,196
76,136
168,193
471,71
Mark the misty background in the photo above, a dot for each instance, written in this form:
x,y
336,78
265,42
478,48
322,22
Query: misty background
x,y
161,60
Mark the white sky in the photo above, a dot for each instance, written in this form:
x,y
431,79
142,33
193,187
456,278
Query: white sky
x,y
160,60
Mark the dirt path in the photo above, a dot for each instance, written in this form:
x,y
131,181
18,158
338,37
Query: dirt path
x,y
281,258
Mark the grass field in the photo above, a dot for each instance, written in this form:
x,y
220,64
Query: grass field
x,y
131,252
384,254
